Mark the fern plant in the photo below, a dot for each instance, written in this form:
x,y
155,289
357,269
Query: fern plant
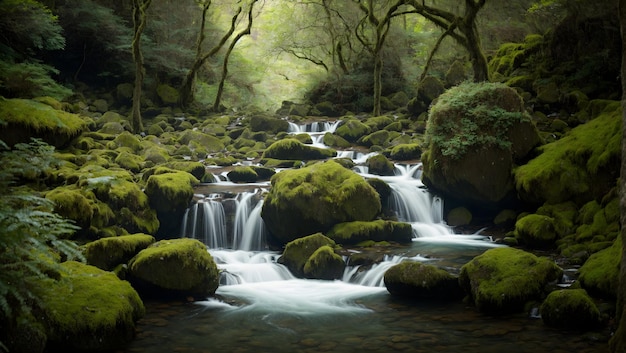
x,y
31,234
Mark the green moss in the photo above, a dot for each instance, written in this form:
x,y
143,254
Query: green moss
x,y
599,275
128,140
90,309
378,230
297,252
292,149
502,280
28,118
352,130
406,151
196,169
200,141
130,161
570,308
156,154
177,266
536,231
269,124
377,138
569,168
378,122
420,281
324,263
380,165
459,216
73,203
170,191
564,215
243,174
315,198
168,94
107,253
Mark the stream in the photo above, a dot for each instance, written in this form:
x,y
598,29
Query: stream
x,y
261,307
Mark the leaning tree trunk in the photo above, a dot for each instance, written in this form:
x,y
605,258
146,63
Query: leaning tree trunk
x,y
378,81
618,342
139,23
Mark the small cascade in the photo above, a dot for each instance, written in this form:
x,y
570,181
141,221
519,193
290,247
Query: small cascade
x,y
206,221
239,267
374,276
249,228
314,127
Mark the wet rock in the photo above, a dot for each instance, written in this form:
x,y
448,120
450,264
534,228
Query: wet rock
x,y
298,252
324,263
570,308
378,230
292,149
415,280
106,253
599,275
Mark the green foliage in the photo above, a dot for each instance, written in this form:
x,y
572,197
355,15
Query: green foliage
x,y
30,79
31,235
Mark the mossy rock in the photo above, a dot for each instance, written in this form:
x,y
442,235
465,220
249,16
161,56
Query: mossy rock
x,y
243,174
168,94
582,164
406,151
130,161
297,252
564,215
378,230
427,90
414,280
476,132
536,231
292,149
352,130
325,264
459,216
263,173
315,198
377,138
268,124
89,309
599,275
73,203
196,169
570,309
333,140
199,140
28,118
107,253
378,122
503,280
177,267
380,165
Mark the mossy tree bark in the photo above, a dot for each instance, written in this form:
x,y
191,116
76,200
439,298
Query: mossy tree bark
x,y
243,33
187,88
618,342
139,23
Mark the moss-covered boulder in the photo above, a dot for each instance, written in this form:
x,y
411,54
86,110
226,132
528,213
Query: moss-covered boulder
x,y
570,309
415,280
297,252
579,166
325,264
459,216
268,124
599,275
378,230
476,132
106,253
177,267
380,165
89,309
29,118
536,231
73,203
197,140
243,174
315,198
337,141
352,130
167,94
292,149
427,90
406,151
502,280
376,138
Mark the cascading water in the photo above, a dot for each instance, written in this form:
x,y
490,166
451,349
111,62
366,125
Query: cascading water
x,y
206,221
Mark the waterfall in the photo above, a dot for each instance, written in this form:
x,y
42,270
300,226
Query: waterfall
x,y
206,222
374,276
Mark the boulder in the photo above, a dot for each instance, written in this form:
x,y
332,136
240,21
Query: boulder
x,y
570,309
315,198
427,90
89,309
459,216
536,231
177,267
416,280
378,230
292,149
243,174
380,165
107,253
268,124
599,275
476,132
325,264
298,252
406,151
352,130
503,280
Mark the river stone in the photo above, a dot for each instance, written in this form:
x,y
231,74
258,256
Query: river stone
x,y
599,275
378,230
324,263
415,280
503,280
536,231
315,198
571,309
106,253
476,132
177,267
89,309
292,149
298,252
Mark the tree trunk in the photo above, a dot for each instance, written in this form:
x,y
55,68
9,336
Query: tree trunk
x,y
139,23
618,341
378,84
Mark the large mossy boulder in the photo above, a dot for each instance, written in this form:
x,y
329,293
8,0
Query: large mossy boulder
x,y
352,130
107,253
29,118
315,198
570,309
380,165
268,124
89,309
536,231
599,275
378,230
406,151
174,268
298,252
415,280
292,149
503,280
476,132
579,166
